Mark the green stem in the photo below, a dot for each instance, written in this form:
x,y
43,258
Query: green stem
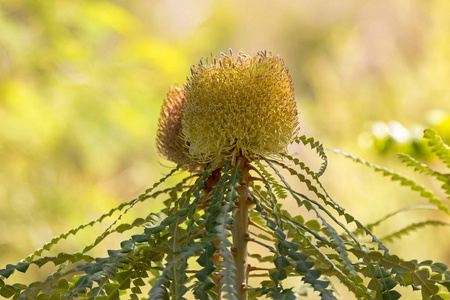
x,y
240,232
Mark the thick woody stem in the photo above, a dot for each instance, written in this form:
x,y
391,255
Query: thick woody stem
x,y
240,232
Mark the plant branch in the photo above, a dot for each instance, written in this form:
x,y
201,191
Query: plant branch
x,y
240,232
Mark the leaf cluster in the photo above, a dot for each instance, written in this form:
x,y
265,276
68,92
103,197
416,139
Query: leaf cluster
x,y
185,250
439,203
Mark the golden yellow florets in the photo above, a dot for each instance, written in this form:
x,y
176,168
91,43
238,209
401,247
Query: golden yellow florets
x,y
239,105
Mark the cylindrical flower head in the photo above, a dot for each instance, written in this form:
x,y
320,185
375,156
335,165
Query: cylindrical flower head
x,y
169,141
239,105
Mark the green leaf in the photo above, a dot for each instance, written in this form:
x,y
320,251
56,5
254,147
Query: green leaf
x,y
201,291
124,279
447,275
398,267
439,267
22,267
8,271
349,218
127,246
327,295
375,284
313,225
429,290
64,284
401,210
319,149
206,271
140,238
438,146
122,227
420,167
376,271
413,227
287,294
388,283
391,295
404,181
303,267
281,262
280,234
8,291
321,286
312,276
446,283
112,290
420,277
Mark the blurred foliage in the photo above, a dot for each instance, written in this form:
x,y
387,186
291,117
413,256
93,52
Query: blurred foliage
x,y
393,137
79,98
202,212
81,84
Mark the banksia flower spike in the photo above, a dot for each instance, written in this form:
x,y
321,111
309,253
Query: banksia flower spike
x,y
239,106
169,141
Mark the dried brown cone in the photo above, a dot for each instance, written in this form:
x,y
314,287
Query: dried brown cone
x,y
169,141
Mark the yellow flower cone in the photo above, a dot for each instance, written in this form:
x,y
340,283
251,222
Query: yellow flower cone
x,y
239,106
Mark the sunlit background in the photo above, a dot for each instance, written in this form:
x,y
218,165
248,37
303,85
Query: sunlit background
x,y
82,82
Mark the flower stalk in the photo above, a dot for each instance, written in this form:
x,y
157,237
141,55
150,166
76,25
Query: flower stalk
x,y
239,109
240,232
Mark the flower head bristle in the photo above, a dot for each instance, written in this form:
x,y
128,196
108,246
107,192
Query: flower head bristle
x,y
239,105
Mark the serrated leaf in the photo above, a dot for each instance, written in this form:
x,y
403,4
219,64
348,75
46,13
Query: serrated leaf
x,y
201,291
303,267
312,276
388,283
412,227
281,262
280,234
403,180
288,246
327,295
438,146
319,149
285,295
206,271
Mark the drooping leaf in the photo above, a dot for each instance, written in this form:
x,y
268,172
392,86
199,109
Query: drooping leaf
x,y
438,146
403,180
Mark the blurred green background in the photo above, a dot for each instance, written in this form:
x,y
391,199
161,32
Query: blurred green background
x,y
82,82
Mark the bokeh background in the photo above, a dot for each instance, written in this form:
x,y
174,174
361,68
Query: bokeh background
x,y
82,82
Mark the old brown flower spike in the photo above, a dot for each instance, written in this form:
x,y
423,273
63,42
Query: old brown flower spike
x,y
169,141
239,106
